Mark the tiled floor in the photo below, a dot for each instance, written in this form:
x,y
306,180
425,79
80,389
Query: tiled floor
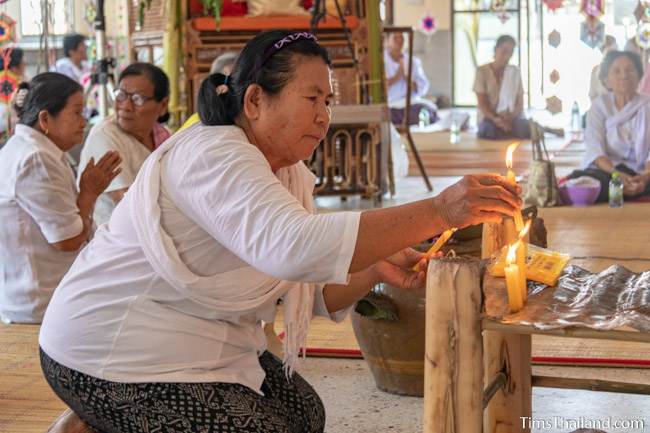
x,y
354,404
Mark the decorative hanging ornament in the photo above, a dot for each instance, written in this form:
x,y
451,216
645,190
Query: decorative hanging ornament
x,y
503,17
554,39
7,29
554,105
90,13
592,32
428,24
555,76
643,35
553,5
639,11
592,8
498,6
8,80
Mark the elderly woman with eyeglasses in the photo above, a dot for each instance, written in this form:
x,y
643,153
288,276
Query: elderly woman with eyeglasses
x,y
134,131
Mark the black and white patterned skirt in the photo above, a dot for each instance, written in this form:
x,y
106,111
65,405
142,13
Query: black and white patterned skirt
x,y
288,406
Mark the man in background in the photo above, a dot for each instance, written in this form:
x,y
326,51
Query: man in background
x,y
74,63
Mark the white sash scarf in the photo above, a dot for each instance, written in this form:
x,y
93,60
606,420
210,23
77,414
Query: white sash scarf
x,y
509,89
241,290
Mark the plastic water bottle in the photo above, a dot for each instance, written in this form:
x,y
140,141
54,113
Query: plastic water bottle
x,y
576,121
616,190
423,118
454,132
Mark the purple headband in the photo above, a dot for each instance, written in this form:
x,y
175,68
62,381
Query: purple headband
x,y
277,46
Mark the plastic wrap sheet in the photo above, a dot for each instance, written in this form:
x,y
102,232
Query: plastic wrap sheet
x,y
614,298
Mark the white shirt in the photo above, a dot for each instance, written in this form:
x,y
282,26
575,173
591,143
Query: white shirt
x,y
38,207
397,90
105,136
623,136
113,318
66,67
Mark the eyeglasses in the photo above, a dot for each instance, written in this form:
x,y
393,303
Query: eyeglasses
x,y
138,100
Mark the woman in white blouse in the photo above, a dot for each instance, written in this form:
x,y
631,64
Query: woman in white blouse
x,y
134,131
158,324
44,219
617,136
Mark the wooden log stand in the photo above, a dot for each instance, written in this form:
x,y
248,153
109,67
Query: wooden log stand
x,y
478,376
453,365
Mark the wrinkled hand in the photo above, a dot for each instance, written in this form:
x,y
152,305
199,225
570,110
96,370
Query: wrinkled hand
x,y
504,123
96,177
633,187
476,199
642,181
396,270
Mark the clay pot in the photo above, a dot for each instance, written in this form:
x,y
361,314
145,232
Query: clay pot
x,y
391,338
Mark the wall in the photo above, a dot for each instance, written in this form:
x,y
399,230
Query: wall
x,y
437,46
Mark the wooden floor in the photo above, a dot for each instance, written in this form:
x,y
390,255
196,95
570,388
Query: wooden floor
x,y
27,404
473,155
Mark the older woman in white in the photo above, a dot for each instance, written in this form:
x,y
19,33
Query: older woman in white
x,y
45,220
617,136
500,95
134,131
165,306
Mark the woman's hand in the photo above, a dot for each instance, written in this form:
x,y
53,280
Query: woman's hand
x,y
476,199
504,123
96,177
396,270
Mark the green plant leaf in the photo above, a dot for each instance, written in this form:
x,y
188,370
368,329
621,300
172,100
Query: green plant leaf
x,y
377,307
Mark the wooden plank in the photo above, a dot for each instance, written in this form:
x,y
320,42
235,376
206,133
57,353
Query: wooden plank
x,y
571,332
591,385
270,23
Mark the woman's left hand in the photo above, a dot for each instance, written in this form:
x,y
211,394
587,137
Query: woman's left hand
x,y
397,271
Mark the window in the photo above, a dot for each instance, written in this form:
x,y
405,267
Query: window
x,y
475,31
31,23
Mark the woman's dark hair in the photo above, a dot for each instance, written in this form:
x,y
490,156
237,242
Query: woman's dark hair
x,y
71,42
505,39
611,57
157,77
259,63
47,91
15,58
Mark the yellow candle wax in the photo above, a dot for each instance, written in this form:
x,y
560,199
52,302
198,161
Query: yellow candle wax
x,y
510,232
522,251
442,239
514,281
510,177
521,259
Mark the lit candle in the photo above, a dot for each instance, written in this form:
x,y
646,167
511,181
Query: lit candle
x,y
442,239
510,177
514,280
522,252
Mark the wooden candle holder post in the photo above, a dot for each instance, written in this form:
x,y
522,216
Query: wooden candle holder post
x,y
453,365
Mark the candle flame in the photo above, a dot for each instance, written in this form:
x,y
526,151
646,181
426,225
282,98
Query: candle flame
x,y
509,152
525,230
512,253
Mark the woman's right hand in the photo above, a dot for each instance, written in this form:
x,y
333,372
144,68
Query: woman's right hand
x,y
477,199
96,177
